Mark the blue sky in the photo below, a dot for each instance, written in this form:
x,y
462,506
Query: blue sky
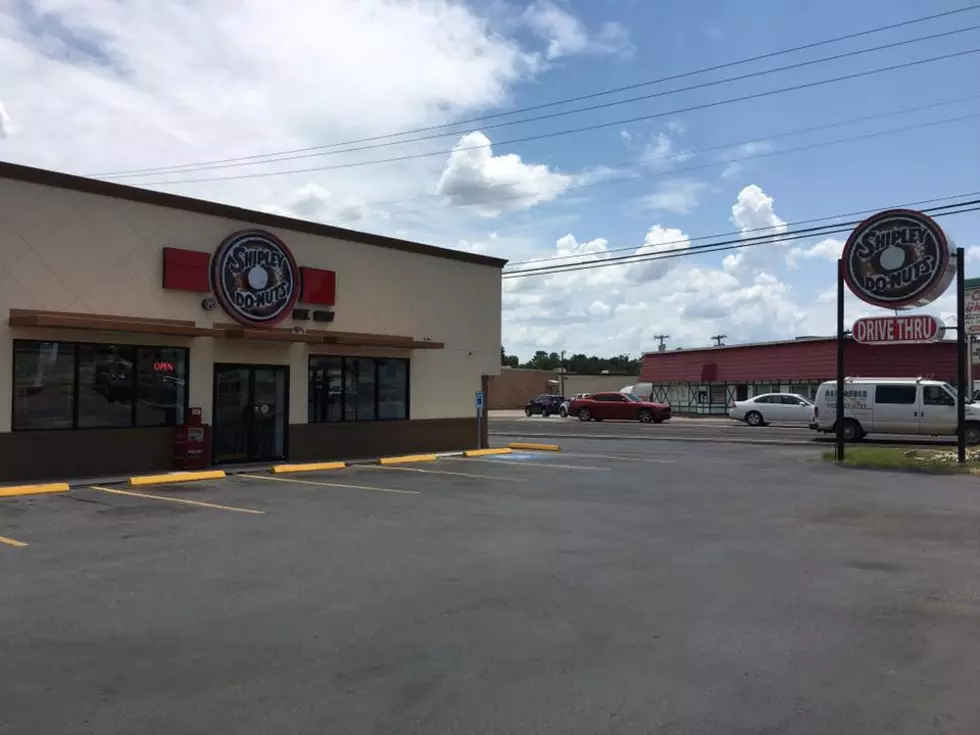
x,y
101,87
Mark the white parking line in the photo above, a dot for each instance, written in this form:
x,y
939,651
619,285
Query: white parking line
x,y
618,457
517,463
435,472
295,481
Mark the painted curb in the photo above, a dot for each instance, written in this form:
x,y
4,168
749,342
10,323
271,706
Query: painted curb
x,y
532,445
487,452
280,469
16,491
409,458
172,477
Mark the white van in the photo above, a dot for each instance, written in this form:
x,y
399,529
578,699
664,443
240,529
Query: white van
x,y
643,391
893,406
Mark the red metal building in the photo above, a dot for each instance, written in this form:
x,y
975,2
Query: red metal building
x,y
709,379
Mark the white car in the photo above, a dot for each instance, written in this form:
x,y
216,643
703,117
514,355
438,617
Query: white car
x,y
783,408
563,409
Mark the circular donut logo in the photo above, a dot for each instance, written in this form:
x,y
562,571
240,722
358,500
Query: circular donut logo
x,y
255,278
898,259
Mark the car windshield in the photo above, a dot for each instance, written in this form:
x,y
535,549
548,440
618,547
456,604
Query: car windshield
x,y
631,397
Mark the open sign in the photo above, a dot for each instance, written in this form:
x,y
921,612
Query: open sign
x,y
163,367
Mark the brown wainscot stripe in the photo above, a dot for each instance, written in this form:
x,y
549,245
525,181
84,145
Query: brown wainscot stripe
x,y
363,439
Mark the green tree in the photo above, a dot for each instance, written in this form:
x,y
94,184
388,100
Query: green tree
x,y
508,360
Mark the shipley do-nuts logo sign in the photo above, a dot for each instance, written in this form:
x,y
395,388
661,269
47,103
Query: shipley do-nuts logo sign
x,y
898,259
255,278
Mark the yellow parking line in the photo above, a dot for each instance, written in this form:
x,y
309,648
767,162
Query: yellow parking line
x,y
171,499
512,463
12,542
438,472
328,484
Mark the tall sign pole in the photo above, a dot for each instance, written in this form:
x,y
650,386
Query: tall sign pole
x,y
899,259
839,421
961,355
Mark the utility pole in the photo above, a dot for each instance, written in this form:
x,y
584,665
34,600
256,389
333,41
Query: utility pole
x,y
661,338
718,338
561,378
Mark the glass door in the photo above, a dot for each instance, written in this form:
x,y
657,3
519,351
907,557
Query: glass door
x,y
250,413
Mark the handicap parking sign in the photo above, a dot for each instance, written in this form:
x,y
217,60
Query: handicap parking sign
x,y
479,399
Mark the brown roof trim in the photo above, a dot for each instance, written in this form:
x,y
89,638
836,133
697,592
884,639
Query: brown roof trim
x,y
325,337
107,323
60,180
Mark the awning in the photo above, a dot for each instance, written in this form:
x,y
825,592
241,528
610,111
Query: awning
x,y
108,323
327,337
183,328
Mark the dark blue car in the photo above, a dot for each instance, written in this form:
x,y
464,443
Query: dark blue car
x,y
545,404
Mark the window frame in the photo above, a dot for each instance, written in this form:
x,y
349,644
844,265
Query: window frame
x,y
377,361
913,386
76,346
943,392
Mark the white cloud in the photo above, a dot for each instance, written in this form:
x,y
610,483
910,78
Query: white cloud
x,y
680,196
313,202
753,215
658,240
111,86
473,176
828,249
662,152
565,34
745,150
6,124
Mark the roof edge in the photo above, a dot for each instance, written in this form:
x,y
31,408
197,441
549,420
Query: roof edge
x,y
98,187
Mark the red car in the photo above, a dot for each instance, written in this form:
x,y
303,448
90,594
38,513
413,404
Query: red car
x,y
621,406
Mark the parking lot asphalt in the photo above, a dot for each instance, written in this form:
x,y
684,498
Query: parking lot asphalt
x,y
615,587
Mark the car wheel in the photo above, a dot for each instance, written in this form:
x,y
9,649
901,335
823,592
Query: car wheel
x,y
584,414
563,412
646,416
545,413
852,430
528,411
973,434
753,418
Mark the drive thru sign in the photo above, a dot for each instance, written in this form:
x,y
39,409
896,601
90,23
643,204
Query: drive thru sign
x,y
889,330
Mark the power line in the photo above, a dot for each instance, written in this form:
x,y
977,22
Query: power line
x,y
572,131
741,233
615,103
724,245
688,154
712,164
530,108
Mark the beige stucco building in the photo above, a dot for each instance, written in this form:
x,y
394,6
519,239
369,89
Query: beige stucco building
x,y
121,309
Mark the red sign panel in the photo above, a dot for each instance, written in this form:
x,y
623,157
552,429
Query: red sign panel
x,y
891,330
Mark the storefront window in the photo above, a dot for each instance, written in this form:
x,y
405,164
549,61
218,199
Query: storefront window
x,y
392,389
105,386
44,380
161,388
64,385
326,389
357,389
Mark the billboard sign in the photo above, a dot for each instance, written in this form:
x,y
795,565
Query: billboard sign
x,y
898,259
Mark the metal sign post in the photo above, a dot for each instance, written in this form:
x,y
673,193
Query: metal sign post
x,y
961,355
839,422
479,419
